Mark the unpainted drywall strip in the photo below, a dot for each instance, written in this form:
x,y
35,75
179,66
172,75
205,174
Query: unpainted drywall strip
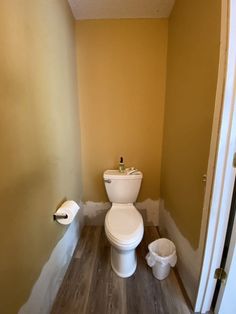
x,y
150,211
189,260
95,212
46,287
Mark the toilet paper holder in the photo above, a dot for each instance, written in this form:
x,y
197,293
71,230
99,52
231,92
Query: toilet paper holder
x,y
59,216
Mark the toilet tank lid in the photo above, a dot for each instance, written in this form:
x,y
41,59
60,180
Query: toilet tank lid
x,y
117,175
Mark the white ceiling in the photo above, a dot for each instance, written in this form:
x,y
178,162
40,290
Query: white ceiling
x,y
116,9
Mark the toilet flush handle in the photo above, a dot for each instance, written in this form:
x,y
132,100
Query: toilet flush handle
x,y
107,180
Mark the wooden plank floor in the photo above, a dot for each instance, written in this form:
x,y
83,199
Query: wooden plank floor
x,y
90,285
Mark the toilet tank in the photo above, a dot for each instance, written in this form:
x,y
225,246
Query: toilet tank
x,y
122,188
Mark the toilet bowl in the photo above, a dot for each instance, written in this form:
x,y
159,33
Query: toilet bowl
x,y
123,223
124,230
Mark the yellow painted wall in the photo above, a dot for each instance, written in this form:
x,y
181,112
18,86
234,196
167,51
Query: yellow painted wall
x,y
121,74
39,134
193,56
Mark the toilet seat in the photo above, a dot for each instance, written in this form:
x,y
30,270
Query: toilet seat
x,y
124,225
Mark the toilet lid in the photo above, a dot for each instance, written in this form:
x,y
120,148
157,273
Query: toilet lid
x,y
124,223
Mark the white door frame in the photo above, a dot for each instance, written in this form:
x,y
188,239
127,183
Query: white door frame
x,y
226,302
220,183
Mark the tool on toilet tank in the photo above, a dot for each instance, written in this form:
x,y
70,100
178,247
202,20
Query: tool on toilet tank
x,y
131,170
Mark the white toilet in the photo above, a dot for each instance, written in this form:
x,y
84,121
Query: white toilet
x,y
123,223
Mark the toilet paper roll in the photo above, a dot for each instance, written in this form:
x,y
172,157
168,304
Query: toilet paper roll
x,y
69,208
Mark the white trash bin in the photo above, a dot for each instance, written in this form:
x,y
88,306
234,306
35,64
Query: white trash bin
x,y
162,255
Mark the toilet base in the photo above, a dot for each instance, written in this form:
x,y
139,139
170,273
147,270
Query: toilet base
x,y
123,263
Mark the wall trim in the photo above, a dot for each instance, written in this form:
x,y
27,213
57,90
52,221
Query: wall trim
x,y
45,289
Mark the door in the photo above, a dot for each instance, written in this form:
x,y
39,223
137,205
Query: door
x,y
222,187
